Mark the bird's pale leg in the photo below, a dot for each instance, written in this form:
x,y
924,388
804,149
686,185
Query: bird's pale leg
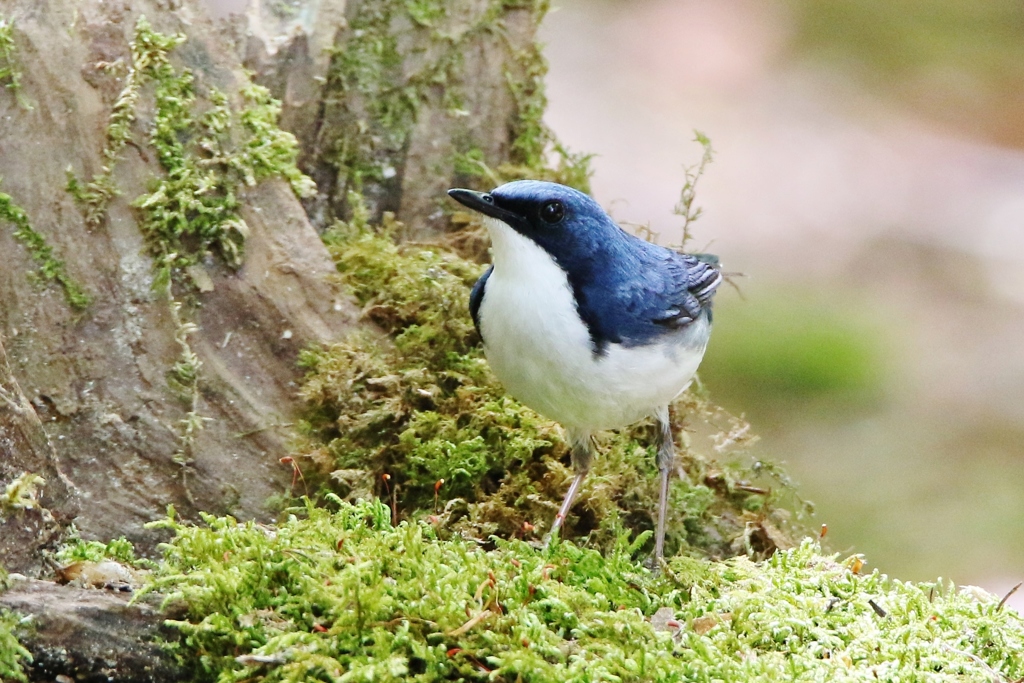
x,y
666,457
582,452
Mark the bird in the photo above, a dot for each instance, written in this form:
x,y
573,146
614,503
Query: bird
x,y
585,323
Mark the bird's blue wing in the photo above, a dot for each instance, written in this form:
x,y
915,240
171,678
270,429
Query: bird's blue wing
x,y
476,295
661,291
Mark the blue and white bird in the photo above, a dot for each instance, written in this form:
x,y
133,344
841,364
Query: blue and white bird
x,y
585,323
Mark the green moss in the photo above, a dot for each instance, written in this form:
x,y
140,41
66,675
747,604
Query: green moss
x,y
22,493
149,61
207,158
346,596
51,268
118,549
193,209
208,151
13,656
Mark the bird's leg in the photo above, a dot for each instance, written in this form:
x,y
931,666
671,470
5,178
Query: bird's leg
x,y
582,452
666,456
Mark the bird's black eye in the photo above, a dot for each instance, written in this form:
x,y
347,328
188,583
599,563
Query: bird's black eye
x,y
552,212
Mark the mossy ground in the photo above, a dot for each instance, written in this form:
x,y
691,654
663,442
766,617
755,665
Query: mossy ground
x,y
344,595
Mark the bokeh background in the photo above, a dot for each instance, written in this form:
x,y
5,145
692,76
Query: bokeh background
x,y
869,182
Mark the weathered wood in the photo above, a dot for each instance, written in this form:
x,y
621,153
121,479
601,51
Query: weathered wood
x,y
91,636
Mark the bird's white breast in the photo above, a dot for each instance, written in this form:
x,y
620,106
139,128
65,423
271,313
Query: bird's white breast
x,y
542,352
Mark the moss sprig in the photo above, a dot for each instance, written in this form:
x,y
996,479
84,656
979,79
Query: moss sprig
x,y
51,268
13,655
149,61
184,377
686,206
10,69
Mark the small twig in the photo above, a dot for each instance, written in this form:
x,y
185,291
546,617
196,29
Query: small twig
x,y
470,624
257,430
878,610
394,505
1007,596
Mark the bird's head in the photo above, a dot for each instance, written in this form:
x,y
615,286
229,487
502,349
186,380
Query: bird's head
x,y
565,222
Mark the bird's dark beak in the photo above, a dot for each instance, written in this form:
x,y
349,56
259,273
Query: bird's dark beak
x,y
482,202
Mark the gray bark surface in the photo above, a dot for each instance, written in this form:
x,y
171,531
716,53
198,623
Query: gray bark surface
x,y
297,57
24,447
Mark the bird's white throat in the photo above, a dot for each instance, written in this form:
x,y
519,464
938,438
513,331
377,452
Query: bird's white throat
x,y
542,352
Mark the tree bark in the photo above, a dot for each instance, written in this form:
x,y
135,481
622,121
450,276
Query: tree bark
x,y
385,101
25,450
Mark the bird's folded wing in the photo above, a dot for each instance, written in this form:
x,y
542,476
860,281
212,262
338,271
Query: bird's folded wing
x,y
673,294
476,296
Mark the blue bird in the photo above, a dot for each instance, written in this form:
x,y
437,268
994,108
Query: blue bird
x,y
586,324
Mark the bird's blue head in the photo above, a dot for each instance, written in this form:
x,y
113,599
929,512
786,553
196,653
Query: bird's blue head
x,y
565,222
